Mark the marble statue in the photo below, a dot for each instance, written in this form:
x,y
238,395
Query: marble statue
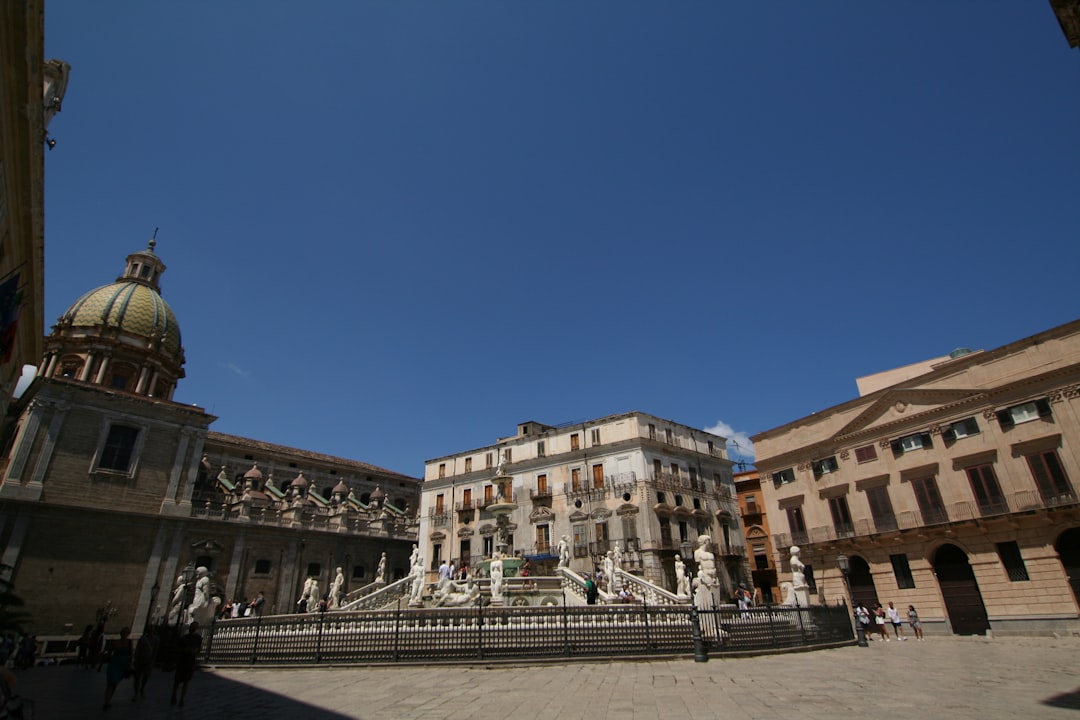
x,y
496,571
798,576
459,594
313,601
798,592
564,552
380,574
682,583
200,605
617,556
176,605
609,572
416,596
335,588
707,581
307,590
414,557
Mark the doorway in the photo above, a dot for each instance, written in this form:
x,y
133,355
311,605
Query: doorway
x,y
960,591
861,582
1068,550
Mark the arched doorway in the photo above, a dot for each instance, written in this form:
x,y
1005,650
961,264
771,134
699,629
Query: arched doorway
x,y
1068,550
861,581
960,590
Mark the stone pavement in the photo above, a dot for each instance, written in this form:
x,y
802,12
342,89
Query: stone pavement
x,y
943,677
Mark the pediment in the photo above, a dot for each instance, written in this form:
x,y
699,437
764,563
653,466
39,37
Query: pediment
x,y
626,510
488,529
579,516
903,404
601,513
541,514
755,531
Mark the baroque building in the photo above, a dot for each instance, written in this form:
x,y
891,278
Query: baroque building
x,y
111,489
648,484
948,485
31,90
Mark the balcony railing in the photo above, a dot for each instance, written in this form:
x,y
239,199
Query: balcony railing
x,y
538,494
581,551
964,511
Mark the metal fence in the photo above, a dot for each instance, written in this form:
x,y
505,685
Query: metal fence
x,y
506,633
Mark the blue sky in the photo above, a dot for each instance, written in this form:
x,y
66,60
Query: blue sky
x,y
394,230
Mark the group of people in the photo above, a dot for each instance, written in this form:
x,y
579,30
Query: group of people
x,y
124,659
877,620
243,608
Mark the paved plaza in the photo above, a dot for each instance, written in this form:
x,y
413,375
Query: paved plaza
x,y
943,677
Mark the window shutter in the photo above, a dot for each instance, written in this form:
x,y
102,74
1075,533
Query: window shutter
x,y
1005,419
926,441
948,434
1043,407
897,448
817,468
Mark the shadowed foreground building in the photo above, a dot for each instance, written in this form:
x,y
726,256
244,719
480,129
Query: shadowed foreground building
x,y
949,485
110,488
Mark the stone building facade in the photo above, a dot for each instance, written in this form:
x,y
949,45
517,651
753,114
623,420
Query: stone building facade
x,y
650,485
759,547
952,490
110,489
31,91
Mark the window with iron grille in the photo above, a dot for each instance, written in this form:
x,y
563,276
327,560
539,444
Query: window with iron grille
x,y
1009,552
902,570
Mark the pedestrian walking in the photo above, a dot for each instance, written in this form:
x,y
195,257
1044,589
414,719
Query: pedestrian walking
x,y
187,657
145,654
119,666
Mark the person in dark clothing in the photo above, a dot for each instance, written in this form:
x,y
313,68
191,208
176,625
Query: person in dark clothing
x,y
187,656
591,591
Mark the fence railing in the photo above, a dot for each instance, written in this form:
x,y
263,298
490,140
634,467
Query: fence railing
x,y
487,633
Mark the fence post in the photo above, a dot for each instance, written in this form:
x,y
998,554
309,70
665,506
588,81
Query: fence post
x,y
480,627
645,612
397,631
210,640
802,626
699,642
565,625
318,640
255,645
772,624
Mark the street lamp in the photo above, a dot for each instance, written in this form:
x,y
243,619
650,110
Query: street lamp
x,y
845,568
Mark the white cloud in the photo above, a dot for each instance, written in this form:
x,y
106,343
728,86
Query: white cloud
x,y
739,444
236,369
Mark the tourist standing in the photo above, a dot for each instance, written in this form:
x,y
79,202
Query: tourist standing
x,y
897,625
913,621
257,604
879,621
591,591
187,656
862,614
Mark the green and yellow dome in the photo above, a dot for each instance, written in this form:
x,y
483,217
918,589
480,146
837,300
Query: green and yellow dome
x,y
129,307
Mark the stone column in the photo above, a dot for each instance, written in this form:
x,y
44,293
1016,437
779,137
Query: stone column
x,y
235,566
101,369
143,610
169,504
84,373
140,388
13,549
